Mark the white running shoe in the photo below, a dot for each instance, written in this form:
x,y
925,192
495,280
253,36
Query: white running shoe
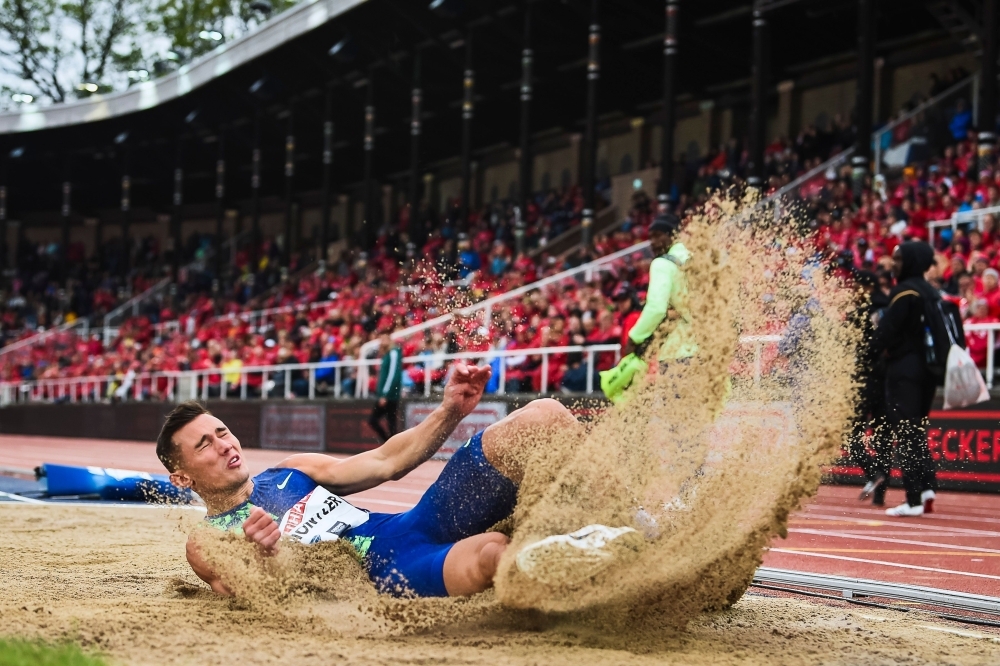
x,y
905,509
927,499
569,559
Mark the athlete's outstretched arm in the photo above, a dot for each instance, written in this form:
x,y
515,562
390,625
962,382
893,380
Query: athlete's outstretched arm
x,y
402,452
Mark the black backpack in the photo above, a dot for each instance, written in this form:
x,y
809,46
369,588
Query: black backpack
x,y
942,328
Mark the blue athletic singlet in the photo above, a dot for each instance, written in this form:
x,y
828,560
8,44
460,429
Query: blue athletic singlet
x,y
403,552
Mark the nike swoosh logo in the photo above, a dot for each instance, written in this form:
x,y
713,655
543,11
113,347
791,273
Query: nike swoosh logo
x,y
281,486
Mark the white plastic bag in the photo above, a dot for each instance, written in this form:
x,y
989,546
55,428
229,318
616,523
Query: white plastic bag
x,y
963,383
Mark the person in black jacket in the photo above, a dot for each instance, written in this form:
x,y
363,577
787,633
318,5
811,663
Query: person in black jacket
x,y
870,412
909,386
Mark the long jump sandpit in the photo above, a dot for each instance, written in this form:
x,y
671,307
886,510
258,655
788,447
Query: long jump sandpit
x,y
114,580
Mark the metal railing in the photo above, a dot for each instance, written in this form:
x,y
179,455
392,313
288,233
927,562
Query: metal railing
x,y
111,331
991,340
585,272
878,137
257,319
132,304
33,340
974,216
790,191
304,380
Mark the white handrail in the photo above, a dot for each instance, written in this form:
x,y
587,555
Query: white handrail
x,y
877,134
991,338
132,303
975,215
192,384
248,316
42,336
486,306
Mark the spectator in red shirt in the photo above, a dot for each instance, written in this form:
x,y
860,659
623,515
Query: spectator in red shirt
x,y
978,340
991,291
627,310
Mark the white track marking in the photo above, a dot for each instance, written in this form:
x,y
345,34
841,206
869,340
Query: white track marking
x,y
19,499
912,526
886,564
931,516
960,632
880,538
123,505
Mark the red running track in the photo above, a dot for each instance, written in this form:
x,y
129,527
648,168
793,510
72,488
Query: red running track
x,y
955,548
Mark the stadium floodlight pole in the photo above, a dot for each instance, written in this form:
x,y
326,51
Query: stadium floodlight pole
x,y
590,156
468,85
178,217
286,249
527,62
367,224
220,202
987,111
67,193
416,101
324,231
255,194
4,253
758,94
865,95
669,108
126,206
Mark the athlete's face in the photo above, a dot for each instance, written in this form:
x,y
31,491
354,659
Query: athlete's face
x,y
211,460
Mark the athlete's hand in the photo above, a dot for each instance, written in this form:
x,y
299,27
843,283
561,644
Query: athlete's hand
x,y
261,529
465,387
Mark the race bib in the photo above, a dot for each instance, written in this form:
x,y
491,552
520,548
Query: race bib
x,y
320,516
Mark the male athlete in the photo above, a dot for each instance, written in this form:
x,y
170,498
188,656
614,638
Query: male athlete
x,y
440,547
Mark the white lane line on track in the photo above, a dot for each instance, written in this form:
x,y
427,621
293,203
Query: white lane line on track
x,y
931,516
942,535
912,526
960,632
109,505
885,564
21,500
800,530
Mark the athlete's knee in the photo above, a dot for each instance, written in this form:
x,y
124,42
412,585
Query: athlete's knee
x,y
490,553
547,412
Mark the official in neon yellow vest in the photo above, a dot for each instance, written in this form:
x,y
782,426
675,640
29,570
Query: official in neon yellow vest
x,y
667,295
666,298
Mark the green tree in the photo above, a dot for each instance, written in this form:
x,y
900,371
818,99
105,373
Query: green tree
x,y
59,50
189,24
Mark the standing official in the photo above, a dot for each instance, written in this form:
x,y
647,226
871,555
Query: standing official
x,y
387,392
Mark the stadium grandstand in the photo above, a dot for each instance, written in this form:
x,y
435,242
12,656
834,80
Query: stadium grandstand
x,y
276,200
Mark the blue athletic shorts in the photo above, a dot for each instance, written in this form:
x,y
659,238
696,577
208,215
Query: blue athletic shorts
x,y
405,555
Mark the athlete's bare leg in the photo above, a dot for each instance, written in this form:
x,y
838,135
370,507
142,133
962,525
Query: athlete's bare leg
x,y
471,563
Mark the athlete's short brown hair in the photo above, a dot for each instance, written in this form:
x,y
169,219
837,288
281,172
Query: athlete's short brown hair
x,y
180,416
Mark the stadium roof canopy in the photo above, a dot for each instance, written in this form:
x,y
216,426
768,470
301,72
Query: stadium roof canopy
x,y
178,118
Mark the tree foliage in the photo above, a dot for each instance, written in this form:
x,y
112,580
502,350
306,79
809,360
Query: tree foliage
x,y
56,50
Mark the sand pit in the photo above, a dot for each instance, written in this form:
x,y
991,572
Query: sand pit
x,y
115,580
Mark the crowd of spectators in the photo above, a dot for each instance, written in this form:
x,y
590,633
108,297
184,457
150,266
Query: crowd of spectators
x,y
423,266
